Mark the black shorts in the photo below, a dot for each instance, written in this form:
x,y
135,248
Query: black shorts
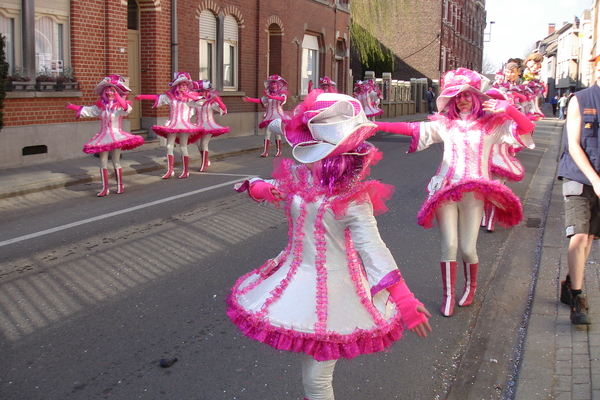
x,y
582,209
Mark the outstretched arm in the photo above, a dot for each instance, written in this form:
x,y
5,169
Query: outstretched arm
x,y
146,97
191,95
251,99
524,125
278,98
222,105
399,128
73,107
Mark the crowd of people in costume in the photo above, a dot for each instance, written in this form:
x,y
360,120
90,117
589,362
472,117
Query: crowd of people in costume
x,y
335,291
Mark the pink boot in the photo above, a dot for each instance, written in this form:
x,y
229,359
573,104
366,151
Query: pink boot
x,y
470,284
170,163
104,176
266,150
278,142
119,178
205,161
185,163
448,281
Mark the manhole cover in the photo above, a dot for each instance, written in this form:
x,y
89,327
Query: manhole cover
x,y
534,222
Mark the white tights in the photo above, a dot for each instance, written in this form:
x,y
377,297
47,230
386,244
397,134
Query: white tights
x,y
461,219
115,155
317,378
268,135
183,142
203,143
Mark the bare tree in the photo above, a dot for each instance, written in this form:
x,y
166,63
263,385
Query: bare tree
x,y
488,66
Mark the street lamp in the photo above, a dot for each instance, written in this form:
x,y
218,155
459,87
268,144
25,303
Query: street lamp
x,y
489,34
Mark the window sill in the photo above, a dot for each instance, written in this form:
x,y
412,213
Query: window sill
x,y
232,93
31,94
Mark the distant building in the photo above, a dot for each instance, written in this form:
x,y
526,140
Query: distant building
x,y
431,37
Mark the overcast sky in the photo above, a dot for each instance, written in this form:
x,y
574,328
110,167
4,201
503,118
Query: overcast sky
x,y
520,23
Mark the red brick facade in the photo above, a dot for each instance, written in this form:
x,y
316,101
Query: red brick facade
x,y
99,46
430,37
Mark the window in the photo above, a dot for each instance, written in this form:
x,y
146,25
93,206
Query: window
x,y
310,62
230,48
49,44
7,29
208,38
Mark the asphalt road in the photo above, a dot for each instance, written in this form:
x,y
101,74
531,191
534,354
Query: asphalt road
x,y
95,291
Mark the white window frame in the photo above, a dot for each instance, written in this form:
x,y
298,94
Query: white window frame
x,y
230,53
310,62
207,45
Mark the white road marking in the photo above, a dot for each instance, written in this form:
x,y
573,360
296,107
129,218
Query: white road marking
x,y
123,211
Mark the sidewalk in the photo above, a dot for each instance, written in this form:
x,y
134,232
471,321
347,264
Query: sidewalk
x,y
20,180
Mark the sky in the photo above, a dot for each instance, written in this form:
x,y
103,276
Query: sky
x,y
520,23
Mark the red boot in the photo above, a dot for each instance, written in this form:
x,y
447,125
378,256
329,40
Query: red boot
x,y
470,284
170,163
119,178
205,161
185,163
104,176
266,150
448,282
278,142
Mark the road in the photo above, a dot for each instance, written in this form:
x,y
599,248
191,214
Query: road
x,y
95,291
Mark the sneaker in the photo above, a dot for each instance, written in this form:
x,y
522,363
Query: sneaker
x,y
579,315
565,291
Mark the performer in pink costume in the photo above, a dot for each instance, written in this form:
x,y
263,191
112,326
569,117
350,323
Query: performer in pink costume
x,y
210,102
504,164
470,123
275,96
534,88
111,108
369,95
335,291
182,102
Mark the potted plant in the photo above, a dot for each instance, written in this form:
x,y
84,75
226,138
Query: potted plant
x,y
16,80
66,80
45,80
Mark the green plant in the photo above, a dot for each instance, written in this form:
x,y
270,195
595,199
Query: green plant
x,y
67,75
19,75
45,75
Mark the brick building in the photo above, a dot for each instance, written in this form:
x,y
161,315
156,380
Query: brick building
x,y
235,43
431,37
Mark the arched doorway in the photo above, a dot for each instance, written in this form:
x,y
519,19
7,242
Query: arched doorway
x,y
275,49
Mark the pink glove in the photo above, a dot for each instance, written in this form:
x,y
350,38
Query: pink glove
x,y
73,107
407,304
191,95
524,124
121,101
252,100
399,128
146,97
261,190
223,106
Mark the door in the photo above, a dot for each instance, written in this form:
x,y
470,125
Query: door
x,y
133,59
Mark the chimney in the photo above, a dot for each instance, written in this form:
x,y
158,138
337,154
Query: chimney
x,y
551,28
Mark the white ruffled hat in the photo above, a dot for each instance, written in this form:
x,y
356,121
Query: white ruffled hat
x,y
325,125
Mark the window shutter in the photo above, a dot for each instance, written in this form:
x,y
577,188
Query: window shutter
x,y
208,26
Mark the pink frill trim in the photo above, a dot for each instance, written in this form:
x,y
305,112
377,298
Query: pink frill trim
x,y
416,136
387,281
375,114
216,132
509,210
373,191
128,144
330,346
193,138
507,173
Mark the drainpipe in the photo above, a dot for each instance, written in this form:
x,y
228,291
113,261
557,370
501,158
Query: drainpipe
x,y
174,39
28,22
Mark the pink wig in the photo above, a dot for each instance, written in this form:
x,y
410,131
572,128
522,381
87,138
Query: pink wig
x,y
477,110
